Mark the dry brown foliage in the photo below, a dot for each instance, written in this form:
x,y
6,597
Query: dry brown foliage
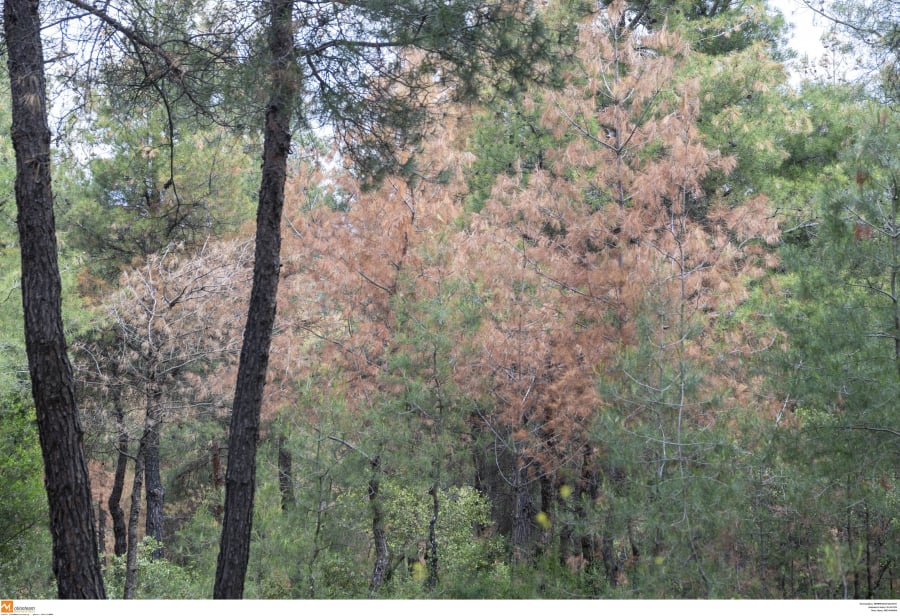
x,y
166,347
567,260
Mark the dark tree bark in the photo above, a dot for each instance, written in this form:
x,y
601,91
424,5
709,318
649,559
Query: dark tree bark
x,y
240,475
548,497
488,459
76,562
523,513
432,554
152,479
101,532
134,516
215,454
611,562
120,529
589,485
382,552
285,476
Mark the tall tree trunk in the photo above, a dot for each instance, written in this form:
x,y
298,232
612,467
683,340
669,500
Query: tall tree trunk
x,y
489,456
611,561
523,512
382,552
432,553
101,532
152,479
76,562
548,496
120,529
133,521
215,452
240,476
589,486
285,476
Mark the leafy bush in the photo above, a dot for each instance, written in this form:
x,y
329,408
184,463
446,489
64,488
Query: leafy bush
x,y
156,579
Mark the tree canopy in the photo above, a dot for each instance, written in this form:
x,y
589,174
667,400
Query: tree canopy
x,y
447,299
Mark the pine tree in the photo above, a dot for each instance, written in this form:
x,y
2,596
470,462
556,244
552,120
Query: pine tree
x,y
615,250
841,367
76,562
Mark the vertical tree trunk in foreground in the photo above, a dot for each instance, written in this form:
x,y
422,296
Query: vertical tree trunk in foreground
x,y
523,513
120,540
382,552
432,551
152,479
101,532
134,516
76,563
240,475
285,475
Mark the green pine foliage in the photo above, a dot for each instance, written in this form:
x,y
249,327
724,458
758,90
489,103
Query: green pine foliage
x,y
24,537
838,372
157,577
847,275
730,432
146,188
510,141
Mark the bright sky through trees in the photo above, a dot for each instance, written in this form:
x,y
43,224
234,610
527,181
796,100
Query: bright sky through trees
x,y
806,35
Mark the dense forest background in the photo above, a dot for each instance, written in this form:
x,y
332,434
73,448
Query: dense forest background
x,y
630,329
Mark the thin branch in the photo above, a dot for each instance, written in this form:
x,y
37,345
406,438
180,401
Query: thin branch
x,y
132,35
350,446
868,429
